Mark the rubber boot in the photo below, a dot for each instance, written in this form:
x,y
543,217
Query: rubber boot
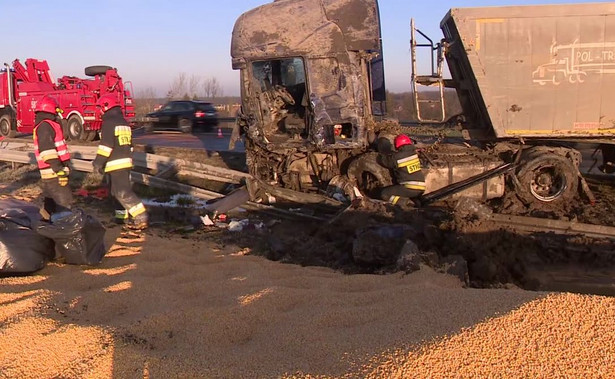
x,y
140,222
121,216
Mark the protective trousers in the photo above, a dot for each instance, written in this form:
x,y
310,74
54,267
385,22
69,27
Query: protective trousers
x,y
57,197
121,190
393,193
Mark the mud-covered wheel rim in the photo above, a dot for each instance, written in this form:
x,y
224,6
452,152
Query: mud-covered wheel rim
x,y
548,179
548,183
369,176
369,183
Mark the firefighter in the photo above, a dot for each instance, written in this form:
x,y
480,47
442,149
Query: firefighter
x,y
52,157
114,158
410,180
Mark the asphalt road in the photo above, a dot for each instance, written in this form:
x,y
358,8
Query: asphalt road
x,y
211,141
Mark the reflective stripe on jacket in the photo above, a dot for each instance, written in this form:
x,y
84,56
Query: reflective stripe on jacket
x,y
115,148
414,184
406,167
60,150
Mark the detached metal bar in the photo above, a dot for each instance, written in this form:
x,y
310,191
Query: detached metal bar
x,y
541,225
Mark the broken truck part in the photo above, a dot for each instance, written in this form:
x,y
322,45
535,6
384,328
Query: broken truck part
x,y
312,82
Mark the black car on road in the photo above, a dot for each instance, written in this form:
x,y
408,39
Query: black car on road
x,y
182,115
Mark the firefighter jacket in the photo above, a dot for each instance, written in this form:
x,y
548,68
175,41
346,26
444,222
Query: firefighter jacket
x,y
50,148
406,167
115,149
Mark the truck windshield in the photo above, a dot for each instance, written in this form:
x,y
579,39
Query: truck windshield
x,y
285,72
280,87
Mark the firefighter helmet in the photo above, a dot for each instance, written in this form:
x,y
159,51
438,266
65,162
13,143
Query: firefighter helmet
x,y
47,104
107,101
402,140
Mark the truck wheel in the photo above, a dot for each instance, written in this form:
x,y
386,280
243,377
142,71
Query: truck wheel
x,y
75,128
64,124
90,135
97,70
6,130
369,175
185,125
547,179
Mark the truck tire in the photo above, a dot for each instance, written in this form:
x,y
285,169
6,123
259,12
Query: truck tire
x,y
369,176
97,70
75,129
90,135
547,179
6,129
184,125
64,124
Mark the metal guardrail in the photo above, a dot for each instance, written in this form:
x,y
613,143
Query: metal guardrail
x,y
541,225
81,153
82,161
82,156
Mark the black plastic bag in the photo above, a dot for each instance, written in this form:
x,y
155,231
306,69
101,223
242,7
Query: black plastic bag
x,y
22,250
79,237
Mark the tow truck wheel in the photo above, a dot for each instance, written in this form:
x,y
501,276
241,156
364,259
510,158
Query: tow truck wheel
x,y
97,70
64,125
90,135
5,127
547,179
75,128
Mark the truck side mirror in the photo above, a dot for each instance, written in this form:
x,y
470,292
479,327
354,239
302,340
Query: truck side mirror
x,y
238,63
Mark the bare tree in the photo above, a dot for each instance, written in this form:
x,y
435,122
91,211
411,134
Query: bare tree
x,y
145,100
211,88
178,88
193,86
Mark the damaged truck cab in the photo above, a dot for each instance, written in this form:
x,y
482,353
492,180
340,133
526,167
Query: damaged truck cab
x,y
534,83
307,72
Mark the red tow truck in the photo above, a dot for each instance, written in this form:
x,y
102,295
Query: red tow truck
x,y
21,86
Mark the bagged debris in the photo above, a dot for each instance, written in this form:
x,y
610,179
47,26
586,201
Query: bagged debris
x,y
22,250
78,237
238,226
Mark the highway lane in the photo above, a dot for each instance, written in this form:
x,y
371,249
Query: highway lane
x,y
210,141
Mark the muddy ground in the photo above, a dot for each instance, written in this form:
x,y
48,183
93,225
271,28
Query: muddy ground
x,y
495,257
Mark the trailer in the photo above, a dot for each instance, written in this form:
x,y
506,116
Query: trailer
x,y
312,82
22,86
534,71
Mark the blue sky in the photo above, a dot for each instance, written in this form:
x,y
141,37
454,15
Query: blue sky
x,y
152,41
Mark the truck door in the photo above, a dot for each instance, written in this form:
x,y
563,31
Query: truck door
x,y
180,110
